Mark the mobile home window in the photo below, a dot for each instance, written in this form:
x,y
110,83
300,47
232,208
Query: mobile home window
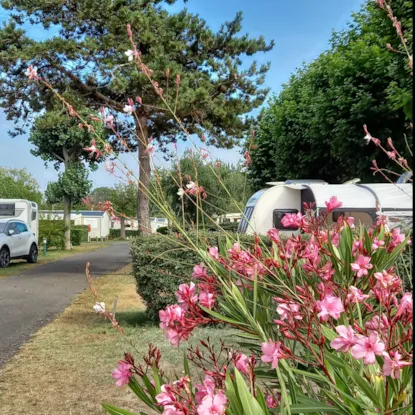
x,y
278,214
34,214
7,209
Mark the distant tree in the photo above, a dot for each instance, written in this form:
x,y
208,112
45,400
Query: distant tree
x,y
100,195
218,201
314,128
58,139
88,59
19,184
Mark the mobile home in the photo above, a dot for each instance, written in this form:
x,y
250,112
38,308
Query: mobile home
x,y
24,210
265,209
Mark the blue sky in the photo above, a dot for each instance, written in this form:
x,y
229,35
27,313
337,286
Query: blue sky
x,y
301,30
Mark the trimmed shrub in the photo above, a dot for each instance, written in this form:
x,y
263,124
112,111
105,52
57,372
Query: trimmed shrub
x,y
116,233
83,230
76,236
164,230
53,231
161,264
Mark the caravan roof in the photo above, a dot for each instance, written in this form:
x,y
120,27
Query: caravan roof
x,y
391,196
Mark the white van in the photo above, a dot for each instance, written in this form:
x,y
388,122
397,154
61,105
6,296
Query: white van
x,y
24,210
265,209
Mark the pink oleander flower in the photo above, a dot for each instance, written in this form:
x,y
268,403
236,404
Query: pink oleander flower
x,y
350,221
362,265
271,353
377,324
346,340
332,204
213,404
241,363
326,271
92,149
335,238
376,244
406,305
109,121
368,348
172,314
397,237
122,373
393,364
292,220
172,410
271,402
214,252
199,271
357,247
206,299
166,397
355,295
187,293
387,280
287,310
273,234
207,388
329,307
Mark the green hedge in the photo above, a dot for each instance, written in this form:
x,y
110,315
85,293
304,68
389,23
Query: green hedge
x,y
161,264
116,233
76,237
53,231
83,229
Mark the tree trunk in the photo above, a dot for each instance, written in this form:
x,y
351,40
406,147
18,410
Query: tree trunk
x,y
143,201
67,220
122,230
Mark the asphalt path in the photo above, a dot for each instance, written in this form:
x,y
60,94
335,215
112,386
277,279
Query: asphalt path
x,y
34,298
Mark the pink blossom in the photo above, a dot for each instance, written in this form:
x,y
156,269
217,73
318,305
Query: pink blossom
x,y
206,299
367,348
292,220
128,109
329,307
350,221
172,313
357,247
214,252
166,397
327,271
273,234
392,366
271,402
397,237
406,305
122,373
207,388
355,295
241,363
199,271
109,121
346,340
213,404
378,324
187,293
387,280
362,265
335,238
172,410
92,149
376,244
286,310
31,72
99,307
271,353
333,203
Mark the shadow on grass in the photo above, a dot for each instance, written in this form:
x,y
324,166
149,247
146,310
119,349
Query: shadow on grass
x,y
134,318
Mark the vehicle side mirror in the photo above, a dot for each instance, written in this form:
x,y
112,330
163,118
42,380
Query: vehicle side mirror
x,y
11,232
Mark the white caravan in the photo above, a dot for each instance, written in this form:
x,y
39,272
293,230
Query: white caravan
x,y
265,209
23,210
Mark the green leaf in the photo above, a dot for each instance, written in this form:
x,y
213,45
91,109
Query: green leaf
x,y
113,410
233,397
366,388
249,403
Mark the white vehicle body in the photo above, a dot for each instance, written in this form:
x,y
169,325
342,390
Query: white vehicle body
x,y
24,210
17,241
265,209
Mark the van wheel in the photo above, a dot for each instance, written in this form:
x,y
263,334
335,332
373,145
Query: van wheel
x,y
4,257
32,257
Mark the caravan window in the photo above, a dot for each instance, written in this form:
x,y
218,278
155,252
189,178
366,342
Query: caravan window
x,y
34,214
7,209
278,214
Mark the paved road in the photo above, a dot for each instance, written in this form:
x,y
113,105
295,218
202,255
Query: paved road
x,y
33,299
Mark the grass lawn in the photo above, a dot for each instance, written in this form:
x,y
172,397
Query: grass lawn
x,y
66,367
21,265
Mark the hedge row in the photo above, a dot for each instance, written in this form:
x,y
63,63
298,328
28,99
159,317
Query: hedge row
x,y
116,233
161,264
54,232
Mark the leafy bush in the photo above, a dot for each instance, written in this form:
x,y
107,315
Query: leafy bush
x,y
54,232
116,233
164,230
162,263
83,232
76,237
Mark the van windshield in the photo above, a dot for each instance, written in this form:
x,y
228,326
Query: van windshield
x,y
2,227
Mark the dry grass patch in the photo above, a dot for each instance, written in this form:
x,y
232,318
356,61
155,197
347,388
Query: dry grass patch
x,y
66,367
